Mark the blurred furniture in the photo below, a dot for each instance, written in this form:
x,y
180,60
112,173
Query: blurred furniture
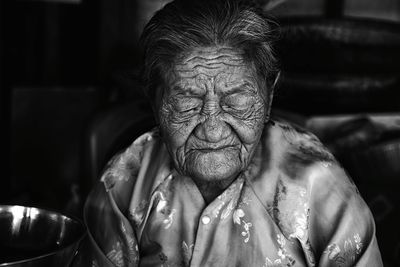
x,y
383,9
339,66
112,130
47,128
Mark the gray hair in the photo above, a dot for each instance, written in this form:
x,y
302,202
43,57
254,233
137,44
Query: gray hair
x,y
183,25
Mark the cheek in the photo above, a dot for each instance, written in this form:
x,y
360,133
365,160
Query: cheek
x,y
175,129
249,127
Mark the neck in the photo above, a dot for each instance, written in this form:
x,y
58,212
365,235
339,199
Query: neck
x,y
211,190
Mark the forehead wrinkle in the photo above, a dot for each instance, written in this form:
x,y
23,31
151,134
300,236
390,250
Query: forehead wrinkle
x,y
196,73
214,68
194,83
213,59
187,70
201,71
212,52
212,78
210,57
210,62
211,71
209,65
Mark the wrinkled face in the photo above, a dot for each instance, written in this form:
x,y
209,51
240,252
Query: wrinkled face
x,y
212,114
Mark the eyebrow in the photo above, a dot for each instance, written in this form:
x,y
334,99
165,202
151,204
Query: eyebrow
x,y
187,90
237,88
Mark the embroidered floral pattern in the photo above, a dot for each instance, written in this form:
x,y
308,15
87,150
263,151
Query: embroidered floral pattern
x,y
228,197
282,252
121,168
284,258
133,248
291,212
270,263
116,255
137,214
300,224
235,205
326,164
238,219
348,254
217,210
246,233
245,200
333,251
168,222
359,244
301,230
164,259
187,253
349,250
227,211
237,215
161,196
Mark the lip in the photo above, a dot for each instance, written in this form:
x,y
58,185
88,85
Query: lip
x,y
199,145
214,149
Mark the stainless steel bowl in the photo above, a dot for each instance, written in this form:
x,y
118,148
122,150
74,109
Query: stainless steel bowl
x,y
36,237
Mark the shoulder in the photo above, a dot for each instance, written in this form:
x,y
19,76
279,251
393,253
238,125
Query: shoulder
x,y
301,160
121,173
305,162
106,206
299,149
125,165
311,198
302,173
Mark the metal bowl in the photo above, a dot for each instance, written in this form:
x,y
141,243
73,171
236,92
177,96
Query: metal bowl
x,y
36,237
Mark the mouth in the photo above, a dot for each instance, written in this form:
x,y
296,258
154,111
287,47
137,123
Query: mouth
x,y
196,145
214,149
209,147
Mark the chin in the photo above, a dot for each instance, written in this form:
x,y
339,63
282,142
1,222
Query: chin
x,y
213,166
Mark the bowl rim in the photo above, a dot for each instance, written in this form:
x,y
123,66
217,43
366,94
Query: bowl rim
x,y
53,252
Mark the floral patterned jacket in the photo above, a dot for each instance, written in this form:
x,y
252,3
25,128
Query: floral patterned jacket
x,y
293,206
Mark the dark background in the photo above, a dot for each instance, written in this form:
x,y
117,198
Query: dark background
x,y
70,96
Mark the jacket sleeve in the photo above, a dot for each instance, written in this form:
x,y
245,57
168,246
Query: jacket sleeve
x,y
110,239
342,229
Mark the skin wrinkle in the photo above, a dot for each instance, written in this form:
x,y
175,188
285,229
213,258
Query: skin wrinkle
x,y
211,118
209,53
215,65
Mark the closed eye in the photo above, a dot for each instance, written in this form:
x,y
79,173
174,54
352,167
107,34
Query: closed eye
x,y
187,104
238,101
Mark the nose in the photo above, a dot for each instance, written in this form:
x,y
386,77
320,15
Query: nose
x,y
212,130
212,127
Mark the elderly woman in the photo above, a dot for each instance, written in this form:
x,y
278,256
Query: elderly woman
x,y
219,183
